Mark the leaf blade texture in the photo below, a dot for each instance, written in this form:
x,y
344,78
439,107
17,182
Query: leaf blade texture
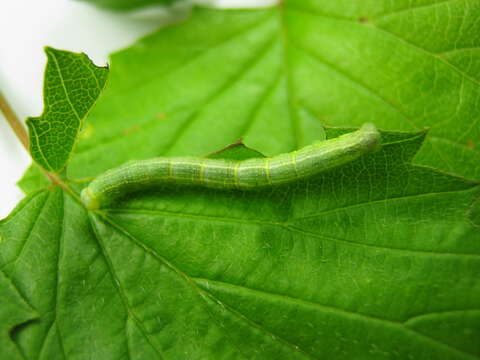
x,y
307,65
293,272
378,259
72,85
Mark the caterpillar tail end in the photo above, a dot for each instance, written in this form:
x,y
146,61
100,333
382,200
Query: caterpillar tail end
x,y
89,200
373,138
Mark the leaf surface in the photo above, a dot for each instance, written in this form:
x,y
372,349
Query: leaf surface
x,y
236,151
33,179
276,76
72,85
14,312
378,259
355,261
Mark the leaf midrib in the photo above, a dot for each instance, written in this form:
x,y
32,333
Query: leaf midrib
x,y
188,280
192,282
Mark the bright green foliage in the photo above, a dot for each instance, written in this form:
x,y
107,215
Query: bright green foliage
x,y
378,259
72,85
236,151
13,311
128,4
192,88
474,213
33,179
363,261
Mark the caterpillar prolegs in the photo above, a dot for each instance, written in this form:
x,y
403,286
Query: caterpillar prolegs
x,y
230,174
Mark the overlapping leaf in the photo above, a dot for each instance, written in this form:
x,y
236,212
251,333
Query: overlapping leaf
x,y
72,85
276,75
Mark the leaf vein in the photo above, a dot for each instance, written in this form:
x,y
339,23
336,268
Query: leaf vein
x,y
121,292
288,76
27,238
394,324
62,81
429,53
393,198
367,89
224,87
378,247
198,55
194,286
413,8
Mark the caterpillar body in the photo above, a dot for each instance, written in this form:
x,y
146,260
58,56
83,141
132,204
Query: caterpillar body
x,y
246,174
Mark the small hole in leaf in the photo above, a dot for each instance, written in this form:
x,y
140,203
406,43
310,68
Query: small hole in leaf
x,y
363,20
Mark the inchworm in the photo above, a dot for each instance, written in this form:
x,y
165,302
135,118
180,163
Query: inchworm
x,y
247,174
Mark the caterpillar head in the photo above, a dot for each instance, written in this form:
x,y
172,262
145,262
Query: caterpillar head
x,y
90,201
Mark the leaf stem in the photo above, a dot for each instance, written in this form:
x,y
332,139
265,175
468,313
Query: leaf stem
x,y
14,121
22,135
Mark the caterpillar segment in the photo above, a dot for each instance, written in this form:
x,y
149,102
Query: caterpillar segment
x,y
230,174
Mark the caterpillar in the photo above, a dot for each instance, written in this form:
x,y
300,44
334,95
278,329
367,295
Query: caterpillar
x,y
246,174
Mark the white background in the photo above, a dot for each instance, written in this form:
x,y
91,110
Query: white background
x,y
26,26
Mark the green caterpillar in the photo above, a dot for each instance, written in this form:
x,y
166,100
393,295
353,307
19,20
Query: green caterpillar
x,y
246,174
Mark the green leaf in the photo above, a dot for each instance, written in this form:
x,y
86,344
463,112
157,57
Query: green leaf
x,y
236,151
378,259
128,4
72,85
361,261
474,213
256,73
33,179
14,311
